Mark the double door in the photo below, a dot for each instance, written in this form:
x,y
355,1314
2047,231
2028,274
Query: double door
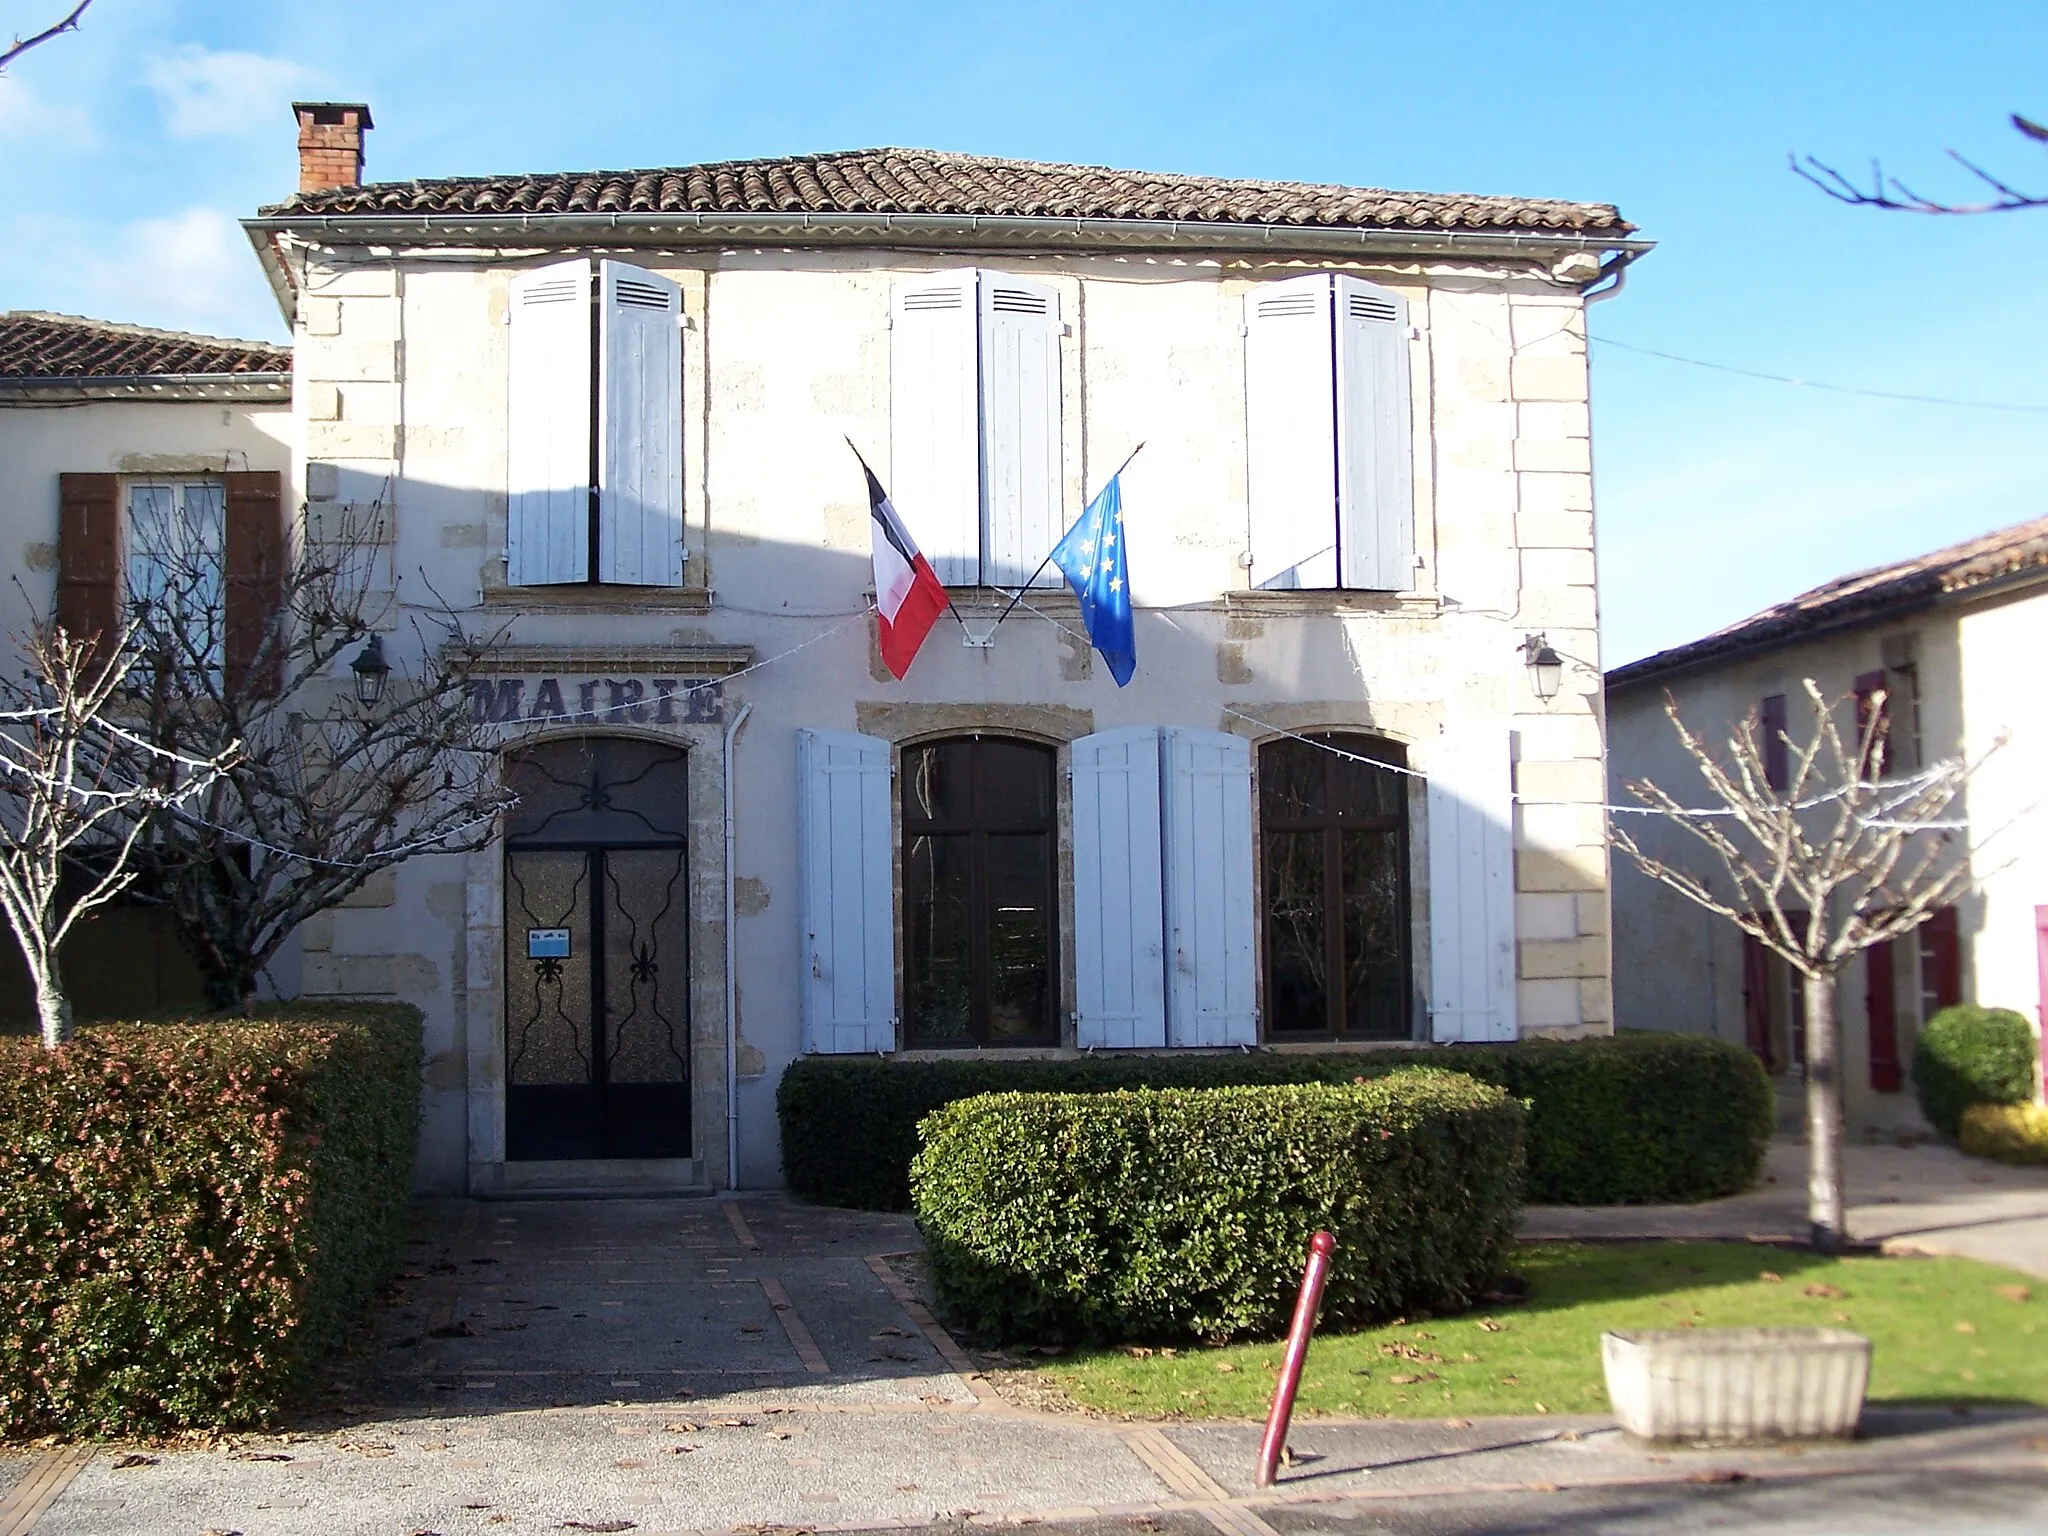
x,y
597,1002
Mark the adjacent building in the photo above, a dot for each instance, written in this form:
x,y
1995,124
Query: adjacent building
x,y
607,417
1939,645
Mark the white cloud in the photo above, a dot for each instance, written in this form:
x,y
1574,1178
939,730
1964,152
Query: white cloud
x,y
189,271
25,115
204,92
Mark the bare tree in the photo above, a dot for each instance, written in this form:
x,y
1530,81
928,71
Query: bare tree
x,y
1889,192
21,44
77,793
339,775
1838,860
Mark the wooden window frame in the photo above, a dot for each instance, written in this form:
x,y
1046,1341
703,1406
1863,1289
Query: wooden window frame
x,y
978,826
1331,826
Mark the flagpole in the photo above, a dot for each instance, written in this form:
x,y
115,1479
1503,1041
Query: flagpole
x,y
942,586
1048,554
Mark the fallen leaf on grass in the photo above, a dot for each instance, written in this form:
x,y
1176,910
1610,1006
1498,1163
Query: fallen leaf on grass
x,y
1409,1378
1225,1367
1410,1352
2015,1293
1511,1381
133,1459
1825,1291
1966,1327
1770,1276
1491,1326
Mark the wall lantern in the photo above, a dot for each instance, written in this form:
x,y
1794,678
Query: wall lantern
x,y
372,672
1546,667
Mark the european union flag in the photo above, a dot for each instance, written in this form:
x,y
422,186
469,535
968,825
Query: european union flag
x,y
1091,557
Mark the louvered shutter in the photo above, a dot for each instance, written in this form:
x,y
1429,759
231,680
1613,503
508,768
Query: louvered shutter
x,y
1375,472
1290,433
639,427
1212,991
1119,930
252,558
1941,962
548,522
1756,1000
88,554
1869,706
849,974
934,420
1471,888
1020,429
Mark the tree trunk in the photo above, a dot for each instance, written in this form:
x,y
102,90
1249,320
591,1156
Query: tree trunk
x,y
1824,1200
53,1008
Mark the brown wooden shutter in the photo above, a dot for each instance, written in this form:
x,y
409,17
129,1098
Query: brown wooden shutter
x,y
1756,999
1941,962
1881,1010
89,554
1777,764
1868,686
254,560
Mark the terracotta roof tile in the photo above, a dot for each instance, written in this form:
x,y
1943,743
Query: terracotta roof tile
x,y
34,345
1870,596
930,181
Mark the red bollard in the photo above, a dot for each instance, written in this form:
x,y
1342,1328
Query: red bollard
x,y
1320,1248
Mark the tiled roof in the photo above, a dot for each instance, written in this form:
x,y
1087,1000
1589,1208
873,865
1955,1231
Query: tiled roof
x,y
1870,596
924,181
58,347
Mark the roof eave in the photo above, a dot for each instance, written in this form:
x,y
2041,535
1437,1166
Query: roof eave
x,y
917,229
260,388
1701,655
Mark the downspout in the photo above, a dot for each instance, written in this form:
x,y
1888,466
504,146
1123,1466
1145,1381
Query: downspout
x,y
1614,275
732,987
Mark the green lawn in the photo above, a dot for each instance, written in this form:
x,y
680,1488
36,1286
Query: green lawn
x,y
1944,1330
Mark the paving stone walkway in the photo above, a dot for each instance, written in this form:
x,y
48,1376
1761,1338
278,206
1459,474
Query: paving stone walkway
x,y
697,1366
1925,1199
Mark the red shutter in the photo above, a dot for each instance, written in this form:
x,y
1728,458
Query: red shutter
x,y
1941,962
1756,999
89,554
254,559
1777,763
1881,1006
1868,686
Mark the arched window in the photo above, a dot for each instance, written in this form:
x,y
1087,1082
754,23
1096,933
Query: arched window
x,y
980,920
1333,829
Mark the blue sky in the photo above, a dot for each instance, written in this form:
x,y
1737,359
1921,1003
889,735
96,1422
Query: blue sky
x,y
127,151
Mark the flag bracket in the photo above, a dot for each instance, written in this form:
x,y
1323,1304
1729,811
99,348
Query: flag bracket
x,y
983,640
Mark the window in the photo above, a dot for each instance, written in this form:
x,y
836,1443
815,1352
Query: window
x,y
1327,435
211,548
974,423
1334,834
594,462
978,898
176,576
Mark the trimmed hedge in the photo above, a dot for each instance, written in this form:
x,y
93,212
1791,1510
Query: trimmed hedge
x,y
1969,1055
1187,1212
2007,1133
1625,1120
192,1213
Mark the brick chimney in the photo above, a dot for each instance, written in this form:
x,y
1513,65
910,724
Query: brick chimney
x,y
331,143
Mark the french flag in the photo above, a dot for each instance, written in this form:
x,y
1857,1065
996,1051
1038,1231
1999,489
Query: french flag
x,y
908,595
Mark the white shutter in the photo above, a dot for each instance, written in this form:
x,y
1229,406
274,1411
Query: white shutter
x,y
1375,477
1212,996
1020,429
1119,930
1290,433
547,460
934,420
1471,887
640,427
849,971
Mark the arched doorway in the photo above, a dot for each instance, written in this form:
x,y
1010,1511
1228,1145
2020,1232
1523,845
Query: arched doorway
x,y
597,978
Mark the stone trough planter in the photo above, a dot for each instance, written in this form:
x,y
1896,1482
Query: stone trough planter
x,y
1733,1384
